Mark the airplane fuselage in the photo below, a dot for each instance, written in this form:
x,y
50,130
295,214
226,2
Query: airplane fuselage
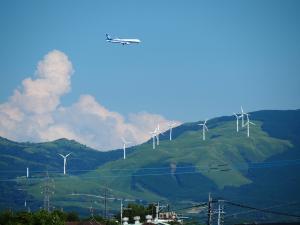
x,y
123,41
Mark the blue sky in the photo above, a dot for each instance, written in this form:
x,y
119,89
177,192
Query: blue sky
x,y
197,59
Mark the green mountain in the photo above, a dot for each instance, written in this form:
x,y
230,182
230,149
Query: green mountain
x,y
42,158
261,170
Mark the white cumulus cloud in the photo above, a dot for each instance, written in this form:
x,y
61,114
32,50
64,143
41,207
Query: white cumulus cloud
x,y
34,112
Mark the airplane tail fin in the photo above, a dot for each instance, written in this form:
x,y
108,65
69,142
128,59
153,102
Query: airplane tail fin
x,y
108,37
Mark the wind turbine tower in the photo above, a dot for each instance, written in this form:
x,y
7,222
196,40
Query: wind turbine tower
x,y
248,125
65,161
124,147
170,128
157,134
153,135
237,121
242,116
204,128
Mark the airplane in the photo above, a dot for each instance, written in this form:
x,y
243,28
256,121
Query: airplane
x,y
122,41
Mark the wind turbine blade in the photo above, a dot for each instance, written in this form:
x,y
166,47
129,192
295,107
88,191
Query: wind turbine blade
x,y
61,155
68,154
201,124
252,123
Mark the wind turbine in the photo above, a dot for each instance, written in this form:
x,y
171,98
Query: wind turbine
x,y
65,161
153,134
157,134
237,121
242,115
171,127
124,147
248,124
204,127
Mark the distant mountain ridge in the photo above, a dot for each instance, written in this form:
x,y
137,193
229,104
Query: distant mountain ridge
x,y
40,158
259,170
44,156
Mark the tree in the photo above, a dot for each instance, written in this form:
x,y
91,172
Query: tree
x,y
7,217
72,216
23,218
45,218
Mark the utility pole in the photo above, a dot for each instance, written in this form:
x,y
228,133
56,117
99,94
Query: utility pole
x,y
47,191
92,210
220,213
121,210
158,208
209,210
157,211
105,203
26,187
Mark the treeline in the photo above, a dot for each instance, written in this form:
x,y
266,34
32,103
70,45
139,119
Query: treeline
x,y
57,217
46,218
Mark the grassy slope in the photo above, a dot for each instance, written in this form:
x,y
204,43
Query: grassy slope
x,y
15,157
223,145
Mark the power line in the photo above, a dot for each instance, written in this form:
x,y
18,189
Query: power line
x,y
158,173
271,207
262,210
211,167
191,207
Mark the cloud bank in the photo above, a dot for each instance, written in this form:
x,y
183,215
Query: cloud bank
x,y
34,113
